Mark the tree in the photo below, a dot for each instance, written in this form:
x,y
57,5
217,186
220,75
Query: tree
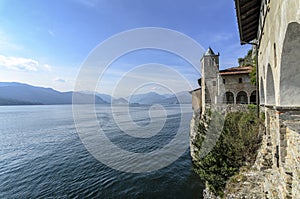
x,y
236,147
249,60
253,75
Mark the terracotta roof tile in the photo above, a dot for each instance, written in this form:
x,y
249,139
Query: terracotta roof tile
x,y
236,70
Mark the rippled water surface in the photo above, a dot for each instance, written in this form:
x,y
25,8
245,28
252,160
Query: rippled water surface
x,y
41,155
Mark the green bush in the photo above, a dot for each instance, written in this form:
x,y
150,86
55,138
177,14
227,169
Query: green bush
x,y
236,147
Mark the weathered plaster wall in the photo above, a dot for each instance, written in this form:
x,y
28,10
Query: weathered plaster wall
x,y
279,16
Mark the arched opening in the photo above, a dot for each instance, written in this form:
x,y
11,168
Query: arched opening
x,y
253,97
241,98
228,98
262,91
270,98
290,67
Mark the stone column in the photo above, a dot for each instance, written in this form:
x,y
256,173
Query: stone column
x,y
234,98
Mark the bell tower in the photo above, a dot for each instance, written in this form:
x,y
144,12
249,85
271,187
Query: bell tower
x,y
209,80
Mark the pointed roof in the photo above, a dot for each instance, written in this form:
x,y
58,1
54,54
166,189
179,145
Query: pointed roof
x,y
209,52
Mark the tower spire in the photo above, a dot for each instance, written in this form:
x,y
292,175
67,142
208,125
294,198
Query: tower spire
x,y
209,52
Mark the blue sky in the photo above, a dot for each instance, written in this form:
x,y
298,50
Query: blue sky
x,y
44,43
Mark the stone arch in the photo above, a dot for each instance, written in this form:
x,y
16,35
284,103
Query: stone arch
x,y
228,98
262,91
253,97
270,89
242,98
290,67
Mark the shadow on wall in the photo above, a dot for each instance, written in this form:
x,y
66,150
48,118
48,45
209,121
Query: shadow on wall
x,y
262,91
270,97
290,67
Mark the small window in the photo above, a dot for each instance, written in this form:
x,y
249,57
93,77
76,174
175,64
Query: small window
x,y
224,81
214,83
240,80
275,56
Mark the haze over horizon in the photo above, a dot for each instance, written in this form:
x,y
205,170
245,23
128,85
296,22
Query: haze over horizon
x,y
144,90
45,44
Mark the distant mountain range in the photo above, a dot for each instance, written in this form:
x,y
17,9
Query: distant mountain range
x,y
147,98
155,98
18,93
13,93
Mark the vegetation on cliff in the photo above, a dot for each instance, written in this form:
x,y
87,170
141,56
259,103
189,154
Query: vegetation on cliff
x,y
236,147
249,60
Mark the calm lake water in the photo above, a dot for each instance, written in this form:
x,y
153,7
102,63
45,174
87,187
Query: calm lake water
x,y
42,156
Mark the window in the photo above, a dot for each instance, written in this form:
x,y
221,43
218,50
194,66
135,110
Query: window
x,y
214,83
240,80
275,56
224,81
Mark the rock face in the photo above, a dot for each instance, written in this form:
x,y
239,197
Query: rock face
x,y
246,185
193,132
207,194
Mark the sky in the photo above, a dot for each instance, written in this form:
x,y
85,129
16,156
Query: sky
x,y
46,43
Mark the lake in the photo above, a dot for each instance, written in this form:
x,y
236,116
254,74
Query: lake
x,y
42,155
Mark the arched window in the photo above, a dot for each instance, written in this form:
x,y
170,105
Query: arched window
x,y
228,98
253,97
242,98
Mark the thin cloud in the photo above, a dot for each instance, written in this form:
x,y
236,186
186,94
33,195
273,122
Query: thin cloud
x,y
88,3
60,80
47,67
22,64
51,33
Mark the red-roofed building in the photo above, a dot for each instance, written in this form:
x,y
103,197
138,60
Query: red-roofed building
x,y
228,86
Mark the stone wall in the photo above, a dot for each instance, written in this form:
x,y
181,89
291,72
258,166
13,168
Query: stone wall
x,y
282,178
